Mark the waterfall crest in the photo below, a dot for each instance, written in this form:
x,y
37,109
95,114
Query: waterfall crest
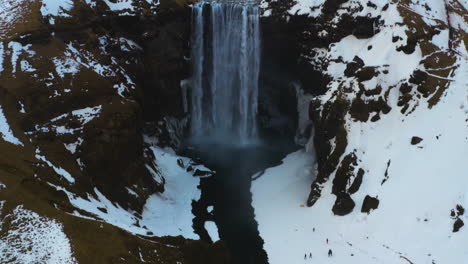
x,y
226,66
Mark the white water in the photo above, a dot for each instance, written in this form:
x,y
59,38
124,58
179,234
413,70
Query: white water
x,y
226,65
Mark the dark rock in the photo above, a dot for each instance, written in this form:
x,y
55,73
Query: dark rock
x,y
354,66
343,204
357,182
458,225
370,203
366,74
202,173
344,173
396,38
375,118
104,210
416,140
460,210
409,48
453,214
418,77
405,88
370,4
180,162
329,125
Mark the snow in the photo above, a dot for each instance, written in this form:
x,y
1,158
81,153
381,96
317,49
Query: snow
x,y
400,65
125,7
26,67
53,8
132,192
166,214
170,213
105,210
210,209
306,7
441,39
426,181
75,58
120,5
84,116
66,66
6,132
128,45
60,171
12,12
16,51
31,239
212,230
72,146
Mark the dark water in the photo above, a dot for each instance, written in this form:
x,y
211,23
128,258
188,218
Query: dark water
x,y
229,192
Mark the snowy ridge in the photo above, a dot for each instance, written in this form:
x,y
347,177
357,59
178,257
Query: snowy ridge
x,y
413,219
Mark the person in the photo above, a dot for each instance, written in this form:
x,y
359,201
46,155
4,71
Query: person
x,y
330,253
305,256
310,255
327,240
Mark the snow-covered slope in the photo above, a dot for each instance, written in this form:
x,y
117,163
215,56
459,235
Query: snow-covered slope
x,y
391,137
424,183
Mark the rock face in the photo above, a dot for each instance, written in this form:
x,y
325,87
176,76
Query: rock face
x,y
81,83
394,71
357,87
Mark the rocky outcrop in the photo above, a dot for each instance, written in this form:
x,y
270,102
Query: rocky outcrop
x,y
369,204
357,89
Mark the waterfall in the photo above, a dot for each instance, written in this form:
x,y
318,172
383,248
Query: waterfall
x,y
226,65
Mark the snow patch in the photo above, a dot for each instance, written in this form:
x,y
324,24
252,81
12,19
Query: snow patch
x,y
60,171
6,132
212,230
32,239
54,8
170,213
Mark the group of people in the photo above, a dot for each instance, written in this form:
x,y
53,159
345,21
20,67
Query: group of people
x,y
330,252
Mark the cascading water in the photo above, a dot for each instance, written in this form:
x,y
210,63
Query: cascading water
x,y
226,65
